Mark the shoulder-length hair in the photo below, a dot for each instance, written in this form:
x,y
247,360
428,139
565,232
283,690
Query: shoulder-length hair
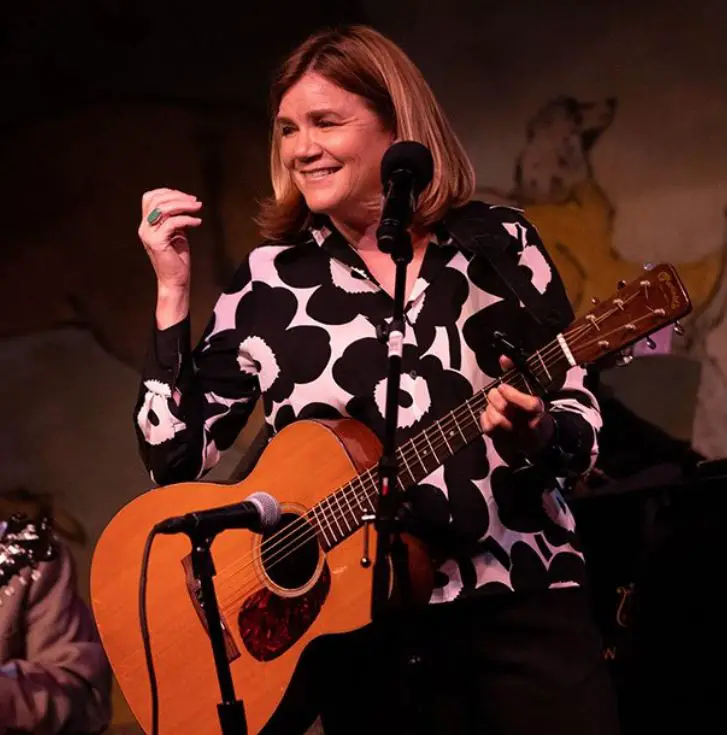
x,y
366,63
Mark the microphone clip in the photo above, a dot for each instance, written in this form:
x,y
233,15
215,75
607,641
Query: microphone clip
x,y
384,329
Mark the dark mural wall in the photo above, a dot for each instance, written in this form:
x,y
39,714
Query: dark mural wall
x,y
606,123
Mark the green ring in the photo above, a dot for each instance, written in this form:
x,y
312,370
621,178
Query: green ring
x,y
154,216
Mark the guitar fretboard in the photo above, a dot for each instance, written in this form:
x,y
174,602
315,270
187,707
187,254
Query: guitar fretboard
x,y
649,302
340,514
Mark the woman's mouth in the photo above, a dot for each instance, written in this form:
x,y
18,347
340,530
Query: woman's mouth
x,y
319,173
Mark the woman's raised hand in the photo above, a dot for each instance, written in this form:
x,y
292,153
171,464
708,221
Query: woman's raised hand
x,y
166,215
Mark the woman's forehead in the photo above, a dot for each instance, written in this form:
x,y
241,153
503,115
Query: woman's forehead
x,y
314,91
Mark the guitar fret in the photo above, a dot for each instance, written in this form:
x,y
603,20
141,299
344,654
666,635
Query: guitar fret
x,y
369,497
325,509
419,457
475,418
335,517
322,529
358,498
444,436
331,518
457,424
400,455
541,376
426,436
342,493
372,492
469,429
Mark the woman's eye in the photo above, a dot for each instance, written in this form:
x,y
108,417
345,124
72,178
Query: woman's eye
x,y
326,123
286,130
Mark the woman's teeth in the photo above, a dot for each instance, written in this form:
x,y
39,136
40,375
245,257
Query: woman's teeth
x,y
321,173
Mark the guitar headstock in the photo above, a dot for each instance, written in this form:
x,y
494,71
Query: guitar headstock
x,y
652,301
24,543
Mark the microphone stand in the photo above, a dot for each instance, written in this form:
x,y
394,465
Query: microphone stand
x,y
393,237
396,241
230,710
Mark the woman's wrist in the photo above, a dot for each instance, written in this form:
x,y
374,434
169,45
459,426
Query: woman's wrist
x,y
172,305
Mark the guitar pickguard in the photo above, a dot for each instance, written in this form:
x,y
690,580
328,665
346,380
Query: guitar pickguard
x,y
270,624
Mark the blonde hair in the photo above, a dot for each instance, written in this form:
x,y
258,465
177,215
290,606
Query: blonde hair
x,y
366,63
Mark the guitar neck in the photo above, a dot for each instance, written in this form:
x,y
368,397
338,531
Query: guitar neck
x,y
340,514
425,452
656,299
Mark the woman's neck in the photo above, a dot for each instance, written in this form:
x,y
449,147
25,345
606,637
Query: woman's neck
x,y
363,237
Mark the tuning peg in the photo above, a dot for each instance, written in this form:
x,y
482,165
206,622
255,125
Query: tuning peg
x,y
648,266
650,343
678,329
620,285
595,301
625,356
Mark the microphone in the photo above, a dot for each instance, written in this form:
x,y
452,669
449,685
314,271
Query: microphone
x,y
406,170
259,512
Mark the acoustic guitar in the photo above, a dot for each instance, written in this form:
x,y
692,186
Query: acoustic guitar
x,y
279,591
24,544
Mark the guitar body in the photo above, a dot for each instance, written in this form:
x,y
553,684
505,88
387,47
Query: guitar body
x,y
270,613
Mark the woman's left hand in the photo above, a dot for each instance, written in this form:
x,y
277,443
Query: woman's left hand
x,y
516,421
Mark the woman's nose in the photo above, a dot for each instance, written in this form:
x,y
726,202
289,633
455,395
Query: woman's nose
x,y
306,144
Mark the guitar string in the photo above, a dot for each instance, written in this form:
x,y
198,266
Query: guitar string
x,y
348,490
305,535
301,523
343,493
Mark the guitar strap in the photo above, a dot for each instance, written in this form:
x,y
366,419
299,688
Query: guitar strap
x,y
478,229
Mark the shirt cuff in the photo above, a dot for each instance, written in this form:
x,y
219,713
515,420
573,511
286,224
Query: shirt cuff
x,y
167,353
567,449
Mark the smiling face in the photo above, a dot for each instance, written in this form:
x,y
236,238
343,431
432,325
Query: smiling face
x,y
332,144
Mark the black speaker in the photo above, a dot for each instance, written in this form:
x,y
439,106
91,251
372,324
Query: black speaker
x,y
657,569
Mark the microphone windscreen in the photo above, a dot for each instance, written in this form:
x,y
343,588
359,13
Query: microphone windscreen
x,y
268,507
410,156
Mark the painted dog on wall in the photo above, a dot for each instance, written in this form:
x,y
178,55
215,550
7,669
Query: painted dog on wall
x,y
555,185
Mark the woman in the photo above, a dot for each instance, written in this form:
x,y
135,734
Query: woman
x,y
508,645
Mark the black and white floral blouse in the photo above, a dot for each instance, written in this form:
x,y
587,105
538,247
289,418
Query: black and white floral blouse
x,y
298,327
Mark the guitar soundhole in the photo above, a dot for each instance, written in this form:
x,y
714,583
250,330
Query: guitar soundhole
x,y
290,554
271,621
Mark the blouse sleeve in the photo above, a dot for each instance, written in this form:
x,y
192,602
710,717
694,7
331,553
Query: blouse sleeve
x,y
193,403
573,449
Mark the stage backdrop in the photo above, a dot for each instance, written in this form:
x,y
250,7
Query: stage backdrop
x,y
607,125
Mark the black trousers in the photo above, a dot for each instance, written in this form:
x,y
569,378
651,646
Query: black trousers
x,y
506,664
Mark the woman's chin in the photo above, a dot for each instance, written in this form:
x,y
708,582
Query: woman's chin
x,y
322,204
343,211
